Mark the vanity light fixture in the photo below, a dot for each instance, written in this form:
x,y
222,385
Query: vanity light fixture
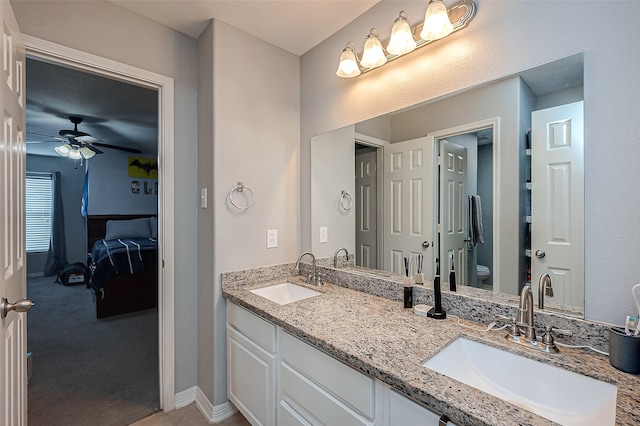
x,y
404,38
401,41
373,55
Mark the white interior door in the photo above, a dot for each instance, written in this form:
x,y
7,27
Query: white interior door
x,y
13,375
366,209
408,204
453,211
557,201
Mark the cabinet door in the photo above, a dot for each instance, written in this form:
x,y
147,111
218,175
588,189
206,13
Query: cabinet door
x,y
403,411
251,384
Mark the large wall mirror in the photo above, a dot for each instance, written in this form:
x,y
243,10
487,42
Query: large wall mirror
x,y
488,180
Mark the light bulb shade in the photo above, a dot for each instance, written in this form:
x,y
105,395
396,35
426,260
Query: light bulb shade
x,y
402,40
348,66
74,153
436,22
86,152
373,55
63,149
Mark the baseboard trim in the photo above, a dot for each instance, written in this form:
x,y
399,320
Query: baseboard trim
x,y
214,414
186,397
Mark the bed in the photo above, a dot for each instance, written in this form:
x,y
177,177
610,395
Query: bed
x,y
123,263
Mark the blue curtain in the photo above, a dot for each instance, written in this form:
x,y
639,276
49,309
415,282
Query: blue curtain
x,y
57,256
84,206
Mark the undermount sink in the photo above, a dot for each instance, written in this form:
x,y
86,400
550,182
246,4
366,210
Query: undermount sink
x,y
285,293
562,396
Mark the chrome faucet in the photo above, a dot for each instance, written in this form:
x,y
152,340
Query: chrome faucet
x,y
312,274
525,313
544,289
335,256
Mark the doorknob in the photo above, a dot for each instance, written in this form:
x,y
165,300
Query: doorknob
x,y
22,305
425,244
540,254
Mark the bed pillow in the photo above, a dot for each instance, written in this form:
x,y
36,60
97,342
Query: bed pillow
x,y
153,224
134,228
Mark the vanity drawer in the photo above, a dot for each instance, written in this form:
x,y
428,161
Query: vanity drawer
x,y
260,331
353,388
313,403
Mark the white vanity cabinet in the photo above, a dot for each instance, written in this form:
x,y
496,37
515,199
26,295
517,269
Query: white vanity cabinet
x,y
316,389
251,365
274,378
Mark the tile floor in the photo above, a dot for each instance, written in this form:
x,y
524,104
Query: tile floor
x,y
188,416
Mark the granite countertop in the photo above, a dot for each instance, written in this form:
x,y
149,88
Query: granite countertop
x,y
380,338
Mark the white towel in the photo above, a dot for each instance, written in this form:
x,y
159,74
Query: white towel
x,y
475,220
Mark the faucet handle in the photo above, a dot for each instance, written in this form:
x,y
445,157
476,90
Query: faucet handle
x,y
558,331
514,331
319,279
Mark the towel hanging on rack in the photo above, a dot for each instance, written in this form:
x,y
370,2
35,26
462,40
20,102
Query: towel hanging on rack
x,y
475,220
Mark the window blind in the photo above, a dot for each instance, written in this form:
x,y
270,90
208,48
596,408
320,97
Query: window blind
x,y
39,211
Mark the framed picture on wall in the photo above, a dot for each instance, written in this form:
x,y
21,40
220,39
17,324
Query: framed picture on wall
x,y
140,167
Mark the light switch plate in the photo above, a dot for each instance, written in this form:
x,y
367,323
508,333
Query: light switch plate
x,y
203,198
324,234
272,238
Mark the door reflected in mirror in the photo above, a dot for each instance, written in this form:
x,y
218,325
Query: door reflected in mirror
x,y
454,179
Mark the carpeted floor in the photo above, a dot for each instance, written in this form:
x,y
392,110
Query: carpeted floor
x,y
88,371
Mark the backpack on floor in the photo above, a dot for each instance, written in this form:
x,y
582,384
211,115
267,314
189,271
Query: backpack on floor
x,y
73,274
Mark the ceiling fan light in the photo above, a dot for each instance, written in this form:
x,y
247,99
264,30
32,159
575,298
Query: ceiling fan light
x,y
74,154
63,149
373,55
402,40
436,22
87,152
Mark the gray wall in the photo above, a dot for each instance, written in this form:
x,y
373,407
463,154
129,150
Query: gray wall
x,y
105,30
72,180
506,37
249,123
110,186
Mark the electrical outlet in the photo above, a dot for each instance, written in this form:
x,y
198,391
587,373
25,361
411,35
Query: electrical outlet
x,y
324,235
272,238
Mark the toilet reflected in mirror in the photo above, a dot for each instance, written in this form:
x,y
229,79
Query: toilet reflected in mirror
x,y
482,275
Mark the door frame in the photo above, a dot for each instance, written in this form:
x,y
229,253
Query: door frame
x,y
469,128
378,144
83,61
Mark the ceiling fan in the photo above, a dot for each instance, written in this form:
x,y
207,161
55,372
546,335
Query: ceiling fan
x,y
82,145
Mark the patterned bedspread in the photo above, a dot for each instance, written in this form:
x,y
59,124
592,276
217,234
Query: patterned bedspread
x,y
110,258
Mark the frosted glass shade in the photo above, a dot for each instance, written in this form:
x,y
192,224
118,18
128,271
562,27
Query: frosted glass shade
x,y
402,40
436,22
86,152
63,149
373,55
348,66
74,154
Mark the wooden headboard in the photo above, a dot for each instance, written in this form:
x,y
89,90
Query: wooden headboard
x,y
97,225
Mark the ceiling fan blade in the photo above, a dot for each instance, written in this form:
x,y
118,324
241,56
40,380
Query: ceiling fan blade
x,y
121,148
94,149
87,139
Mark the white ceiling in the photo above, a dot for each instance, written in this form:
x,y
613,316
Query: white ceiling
x,y
293,25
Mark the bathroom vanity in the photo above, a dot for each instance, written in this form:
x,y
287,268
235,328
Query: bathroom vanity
x,y
349,357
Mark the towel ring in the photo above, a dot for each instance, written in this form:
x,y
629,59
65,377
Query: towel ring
x,y
344,195
240,187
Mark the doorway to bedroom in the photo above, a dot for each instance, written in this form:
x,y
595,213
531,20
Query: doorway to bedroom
x,y
86,369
